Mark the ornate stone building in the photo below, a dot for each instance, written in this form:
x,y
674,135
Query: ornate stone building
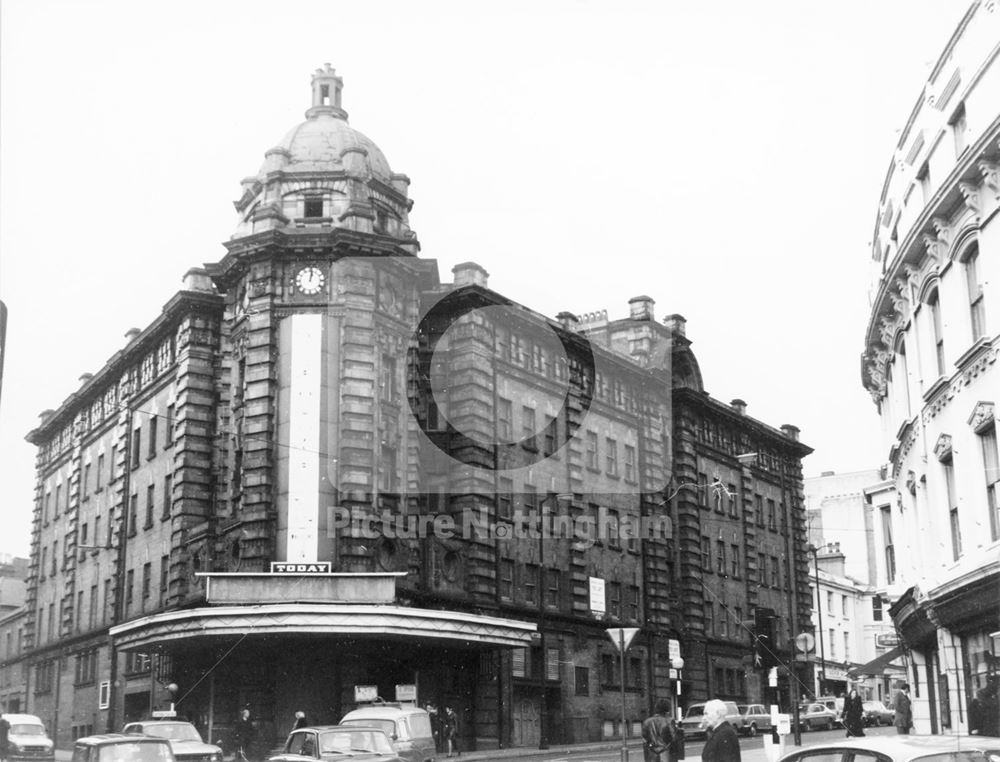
x,y
322,469
930,364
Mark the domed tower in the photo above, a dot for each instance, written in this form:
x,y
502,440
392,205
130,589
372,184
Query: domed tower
x,y
324,175
321,281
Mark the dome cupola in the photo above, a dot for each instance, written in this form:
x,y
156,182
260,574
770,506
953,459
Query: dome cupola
x,y
324,174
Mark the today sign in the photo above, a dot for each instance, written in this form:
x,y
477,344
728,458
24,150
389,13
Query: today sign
x,y
316,567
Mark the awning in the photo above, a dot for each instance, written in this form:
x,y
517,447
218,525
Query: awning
x,y
401,623
879,665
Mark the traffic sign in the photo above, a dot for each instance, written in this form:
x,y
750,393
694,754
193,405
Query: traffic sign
x,y
622,636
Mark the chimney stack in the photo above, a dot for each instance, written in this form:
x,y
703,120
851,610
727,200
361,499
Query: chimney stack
x,y
641,308
470,274
676,324
739,406
790,431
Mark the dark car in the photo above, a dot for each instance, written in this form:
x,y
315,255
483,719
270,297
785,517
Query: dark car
x,y
905,748
331,742
119,747
184,738
815,716
877,713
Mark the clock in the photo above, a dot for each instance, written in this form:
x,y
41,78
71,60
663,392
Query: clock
x,y
310,280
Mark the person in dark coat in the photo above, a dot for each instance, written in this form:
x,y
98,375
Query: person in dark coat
x,y
450,727
854,714
300,720
904,711
723,744
244,736
657,733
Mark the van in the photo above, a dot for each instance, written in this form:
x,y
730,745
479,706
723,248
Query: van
x,y
408,728
27,739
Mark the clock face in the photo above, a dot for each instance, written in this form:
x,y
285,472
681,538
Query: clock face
x,y
310,280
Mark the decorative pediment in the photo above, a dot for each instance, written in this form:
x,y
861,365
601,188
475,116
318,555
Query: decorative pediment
x,y
942,448
983,416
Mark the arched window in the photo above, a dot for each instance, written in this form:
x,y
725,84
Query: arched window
x,y
934,305
977,305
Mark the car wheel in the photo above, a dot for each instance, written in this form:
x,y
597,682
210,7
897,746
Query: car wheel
x,y
829,725
752,730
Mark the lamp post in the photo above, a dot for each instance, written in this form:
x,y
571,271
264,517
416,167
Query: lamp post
x,y
819,613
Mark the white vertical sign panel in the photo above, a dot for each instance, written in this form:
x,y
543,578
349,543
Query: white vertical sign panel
x,y
597,601
303,438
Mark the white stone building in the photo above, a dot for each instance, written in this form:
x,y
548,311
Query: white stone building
x,y
930,363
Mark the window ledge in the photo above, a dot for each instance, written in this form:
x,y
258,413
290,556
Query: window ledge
x,y
935,388
973,353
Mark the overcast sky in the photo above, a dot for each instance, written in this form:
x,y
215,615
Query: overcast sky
x,y
725,158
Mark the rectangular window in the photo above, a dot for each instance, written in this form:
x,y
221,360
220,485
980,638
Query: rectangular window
x,y
706,553
107,601
505,432
991,468
168,427
591,450
758,509
614,530
977,304
720,556
100,470
129,581
519,658
505,492
551,435
151,444
55,558
85,482
133,514
150,500
734,504
531,584
609,669
136,445
52,620
147,580
582,680
312,206
632,604
959,129
389,386
723,620
772,515
168,496
629,463
832,642
956,534
528,427
876,608
775,572
924,178
634,673
829,602
506,579
890,551
553,588
709,618
762,568
58,500
735,560
847,646
934,305
78,614
92,612
113,464
611,456
614,590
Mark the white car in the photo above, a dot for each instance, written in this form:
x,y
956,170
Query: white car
x,y
27,739
185,740
907,748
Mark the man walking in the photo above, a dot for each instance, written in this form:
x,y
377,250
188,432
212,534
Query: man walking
x,y
657,733
723,745
904,712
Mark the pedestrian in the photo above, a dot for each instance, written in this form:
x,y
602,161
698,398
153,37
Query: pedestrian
x,y
4,738
244,735
723,745
300,720
450,727
854,714
904,712
657,733
989,710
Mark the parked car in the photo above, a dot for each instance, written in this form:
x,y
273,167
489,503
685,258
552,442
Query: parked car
x,y
693,723
754,718
877,713
332,742
408,727
184,738
836,705
27,739
119,747
911,748
815,715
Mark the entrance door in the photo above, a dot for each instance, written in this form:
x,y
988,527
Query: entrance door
x,y
136,706
526,722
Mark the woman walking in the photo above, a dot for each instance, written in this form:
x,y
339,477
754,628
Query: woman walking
x,y
854,714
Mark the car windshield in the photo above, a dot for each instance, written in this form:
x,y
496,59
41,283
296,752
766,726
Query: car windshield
x,y
135,751
696,711
955,756
389,726
27,730
175,731
342,741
